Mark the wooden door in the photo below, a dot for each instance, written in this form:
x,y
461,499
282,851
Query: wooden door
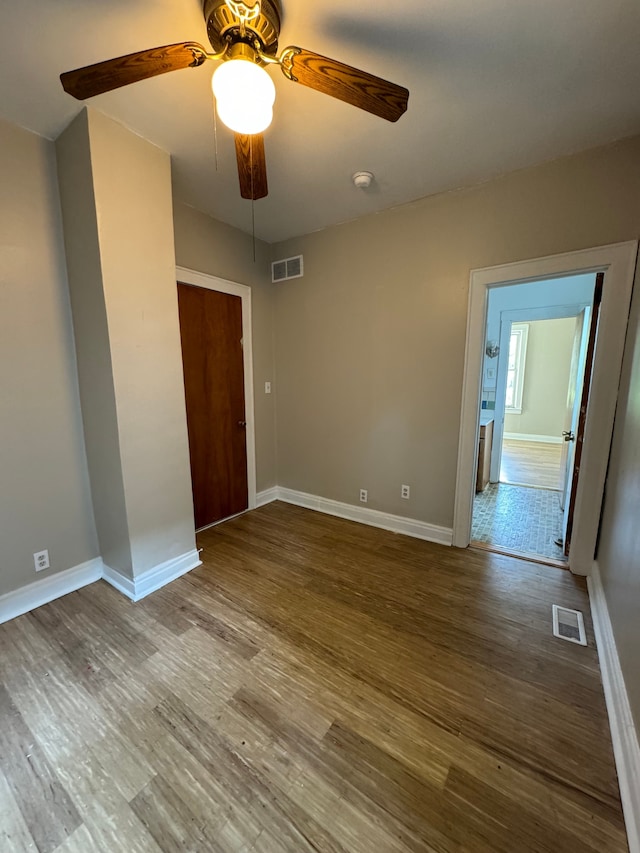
x,y
211,333
582,415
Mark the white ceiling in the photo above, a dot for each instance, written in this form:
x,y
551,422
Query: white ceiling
x,y
495,85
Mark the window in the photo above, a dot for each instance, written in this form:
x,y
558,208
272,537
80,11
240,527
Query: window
x,y
515,367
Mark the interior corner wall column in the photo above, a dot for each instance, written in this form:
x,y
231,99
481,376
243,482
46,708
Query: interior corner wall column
x,y
115,190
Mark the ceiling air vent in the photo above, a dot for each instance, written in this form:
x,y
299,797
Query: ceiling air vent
x,y
288,268
568,625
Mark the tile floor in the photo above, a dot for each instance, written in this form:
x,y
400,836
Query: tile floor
x,y
518,518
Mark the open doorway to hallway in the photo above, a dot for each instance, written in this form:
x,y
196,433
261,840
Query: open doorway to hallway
x,y
537,348
614,268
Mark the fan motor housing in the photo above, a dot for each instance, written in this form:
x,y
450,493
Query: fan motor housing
x,y
223,26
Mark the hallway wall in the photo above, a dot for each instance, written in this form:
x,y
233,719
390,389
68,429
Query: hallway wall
x,y
45,501
546,380
619,549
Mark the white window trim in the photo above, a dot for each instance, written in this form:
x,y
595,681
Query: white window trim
x,y
522,330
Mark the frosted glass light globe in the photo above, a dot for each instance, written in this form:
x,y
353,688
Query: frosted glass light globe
x,y
244,95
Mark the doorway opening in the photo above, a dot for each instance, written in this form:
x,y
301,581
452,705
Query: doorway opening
x,y
616,265
533,380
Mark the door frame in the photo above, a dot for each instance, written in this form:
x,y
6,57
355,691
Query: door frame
x,y
618,262
211,282
514,315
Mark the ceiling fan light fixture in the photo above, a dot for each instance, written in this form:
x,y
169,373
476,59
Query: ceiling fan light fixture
x,y
244,36
245,95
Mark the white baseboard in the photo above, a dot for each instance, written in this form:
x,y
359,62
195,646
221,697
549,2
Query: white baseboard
x,y
121,582
541,439
372,517
153,579
47,589
623,732
267,496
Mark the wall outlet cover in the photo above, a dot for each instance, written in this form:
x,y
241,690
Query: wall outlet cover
x,y
41,560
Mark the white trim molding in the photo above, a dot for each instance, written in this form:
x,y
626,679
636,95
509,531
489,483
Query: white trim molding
x,y
199,279
618,263
43,591
540,439
521,332
623,732
372,517
154,578
267,496
47,589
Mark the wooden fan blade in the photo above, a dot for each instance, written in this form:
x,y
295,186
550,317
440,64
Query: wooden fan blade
x,y
358,88
104,76
252,166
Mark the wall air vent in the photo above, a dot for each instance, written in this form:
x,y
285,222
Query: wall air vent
x,y
569,625
287,268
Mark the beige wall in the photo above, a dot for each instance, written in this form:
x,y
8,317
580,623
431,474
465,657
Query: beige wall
x,y
49,504
546,379
126,315
619,550
44,500
132,181
370,343
208,246
95,372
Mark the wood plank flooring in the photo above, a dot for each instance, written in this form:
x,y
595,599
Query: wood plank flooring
x,y
316,685
531,463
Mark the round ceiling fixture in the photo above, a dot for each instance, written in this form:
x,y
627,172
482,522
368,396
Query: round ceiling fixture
x,y
362,180
244,95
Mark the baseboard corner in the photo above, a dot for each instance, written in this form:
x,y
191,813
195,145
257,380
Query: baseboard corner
x,y
42,591
266,496
119,581
162,574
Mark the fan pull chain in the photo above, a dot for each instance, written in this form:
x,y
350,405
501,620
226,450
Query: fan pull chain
x,y
215,134
253,228
253,202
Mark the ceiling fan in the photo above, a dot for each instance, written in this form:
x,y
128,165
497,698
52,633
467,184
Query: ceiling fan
x,y
245,38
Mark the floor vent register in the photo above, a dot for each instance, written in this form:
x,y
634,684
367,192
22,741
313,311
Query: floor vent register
x,y
569,625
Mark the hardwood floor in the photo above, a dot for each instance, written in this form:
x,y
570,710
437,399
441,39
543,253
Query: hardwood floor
x,y
531,463
316,685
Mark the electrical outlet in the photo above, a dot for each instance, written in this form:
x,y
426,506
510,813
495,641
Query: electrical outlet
x,y
364,495
267,387
41,560
405,492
